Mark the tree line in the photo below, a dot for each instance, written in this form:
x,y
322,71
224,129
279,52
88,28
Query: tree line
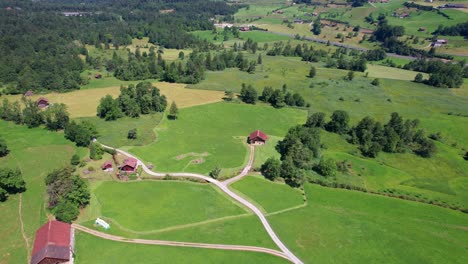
x,y
278,98
440,74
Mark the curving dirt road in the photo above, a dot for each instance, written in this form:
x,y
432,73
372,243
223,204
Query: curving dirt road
x,y
224,187
179,244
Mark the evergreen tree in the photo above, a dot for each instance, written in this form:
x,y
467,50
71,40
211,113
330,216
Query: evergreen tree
x,y
173,111
312,72
316,27
248,94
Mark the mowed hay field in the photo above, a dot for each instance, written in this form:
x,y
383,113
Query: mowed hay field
x,y
83,103
214,135
27,152
342,226
153,205
90,249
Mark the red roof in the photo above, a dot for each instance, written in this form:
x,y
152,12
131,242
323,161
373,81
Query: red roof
x,y
130,162
107,164
258,134
28,93
42,99
52,241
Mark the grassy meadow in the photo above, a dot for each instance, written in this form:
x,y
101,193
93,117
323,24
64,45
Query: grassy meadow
x,y
27,152
341,226
270,196
213,135
437,109
90,249
153,205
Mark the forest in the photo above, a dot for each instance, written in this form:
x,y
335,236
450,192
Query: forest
x,y
40,46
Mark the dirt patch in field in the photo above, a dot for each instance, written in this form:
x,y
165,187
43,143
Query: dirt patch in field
x,y
197,161
191,154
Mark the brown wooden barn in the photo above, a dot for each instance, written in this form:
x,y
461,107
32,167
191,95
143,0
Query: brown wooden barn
x,y
107,165
257,138
52,243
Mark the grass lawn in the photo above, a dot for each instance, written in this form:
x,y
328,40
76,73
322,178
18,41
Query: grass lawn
x,y
27,152
90,249
264,152
114,133
214,135
152,205
341,226
379,71
270,196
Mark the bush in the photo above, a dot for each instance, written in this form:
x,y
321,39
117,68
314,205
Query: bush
x,y
271,169
214,173
326,167
3,195
3,148
75,160
12,181
66,211
376,82
132,134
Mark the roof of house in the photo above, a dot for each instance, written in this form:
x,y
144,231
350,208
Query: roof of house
x,y
28,93
52,241
258,134
130,162
107,163
42,99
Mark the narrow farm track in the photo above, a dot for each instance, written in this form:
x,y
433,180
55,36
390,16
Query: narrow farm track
x,y
246,170
180,244
20,206
224,187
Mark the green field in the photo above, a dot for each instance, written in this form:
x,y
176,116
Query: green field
x,y
271,196
341,226
27,148
114,133
91,249
153,205
213,135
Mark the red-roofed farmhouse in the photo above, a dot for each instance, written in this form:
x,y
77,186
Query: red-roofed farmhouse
x,y
129,165
52,243
257,138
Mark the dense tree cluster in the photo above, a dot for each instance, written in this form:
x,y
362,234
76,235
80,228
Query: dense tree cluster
x,y
67,193
397,136
460,29
440,74
81,133
357,3
40,47
133,101
11,182
55,117
281,97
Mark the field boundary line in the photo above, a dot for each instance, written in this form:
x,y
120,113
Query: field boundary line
x,y
287,209
181,244
177,227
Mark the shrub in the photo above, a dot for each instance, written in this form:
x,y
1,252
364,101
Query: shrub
x,y
75,160
376,82
132,134
326,167
214,173
3,148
